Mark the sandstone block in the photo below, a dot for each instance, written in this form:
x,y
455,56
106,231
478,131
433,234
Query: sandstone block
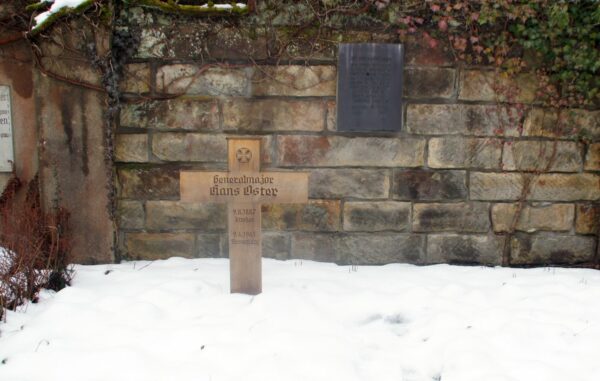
x,y
459,152
552,217
161,215
588,219
274,115
461,119
464,249
148,183
276,245
429,82
136,78
187,113
295,81
314,246
194,80
317,215
176,146
491,86
495,186
131,148
421,184
549,248
153,246
566,124
348,183
376,216
338,151
592,160
380,249
237,43
208,246
470,217
544,156
565,187
130,214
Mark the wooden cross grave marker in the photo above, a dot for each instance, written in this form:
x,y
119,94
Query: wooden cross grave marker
x,y
244,188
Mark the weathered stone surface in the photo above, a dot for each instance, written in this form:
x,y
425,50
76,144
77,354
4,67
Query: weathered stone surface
x,y
136,78
588,219
491,86
552,217
341,151
459,152
349,183
161,215
549,248
236,43
186,113
568,124
130,214
565,187
592,159
317,215
472,217
73,68
208,246
495,186
331,121
455,119
380,248
168,39
151,246
464,249
543,156
429,82
177,146
148,183
376,216
314,246
194,80
274,115
294,80
131,148
276,245
421,184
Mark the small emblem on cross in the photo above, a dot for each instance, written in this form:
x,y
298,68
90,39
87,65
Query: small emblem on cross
x,y
243,155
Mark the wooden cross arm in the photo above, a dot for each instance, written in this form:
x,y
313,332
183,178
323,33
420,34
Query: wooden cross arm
x,y
244,187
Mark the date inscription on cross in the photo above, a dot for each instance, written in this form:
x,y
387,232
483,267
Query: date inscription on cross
x,y
244,188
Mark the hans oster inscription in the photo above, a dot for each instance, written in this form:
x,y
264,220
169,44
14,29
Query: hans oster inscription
x,y
6,134
244,188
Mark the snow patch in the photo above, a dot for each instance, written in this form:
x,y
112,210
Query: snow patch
x,y
175,320
56,6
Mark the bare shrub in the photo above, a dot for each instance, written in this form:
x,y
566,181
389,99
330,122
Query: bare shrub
x,y
35,243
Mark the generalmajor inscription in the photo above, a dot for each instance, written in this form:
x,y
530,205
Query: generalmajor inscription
x,y
370,87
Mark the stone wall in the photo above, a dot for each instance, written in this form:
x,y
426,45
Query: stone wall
x,y
445,189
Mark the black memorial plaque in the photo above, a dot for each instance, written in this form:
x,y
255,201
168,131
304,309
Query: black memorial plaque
x,y
369,95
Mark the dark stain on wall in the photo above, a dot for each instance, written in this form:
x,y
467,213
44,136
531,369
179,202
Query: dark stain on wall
x,y
22,80
84,138
66,113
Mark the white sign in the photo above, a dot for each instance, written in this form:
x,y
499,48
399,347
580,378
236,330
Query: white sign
x,y
7,155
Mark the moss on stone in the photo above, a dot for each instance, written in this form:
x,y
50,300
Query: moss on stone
x,y
61,13
171,6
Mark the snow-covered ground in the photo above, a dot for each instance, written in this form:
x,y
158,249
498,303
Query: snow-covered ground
x,y
175,320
